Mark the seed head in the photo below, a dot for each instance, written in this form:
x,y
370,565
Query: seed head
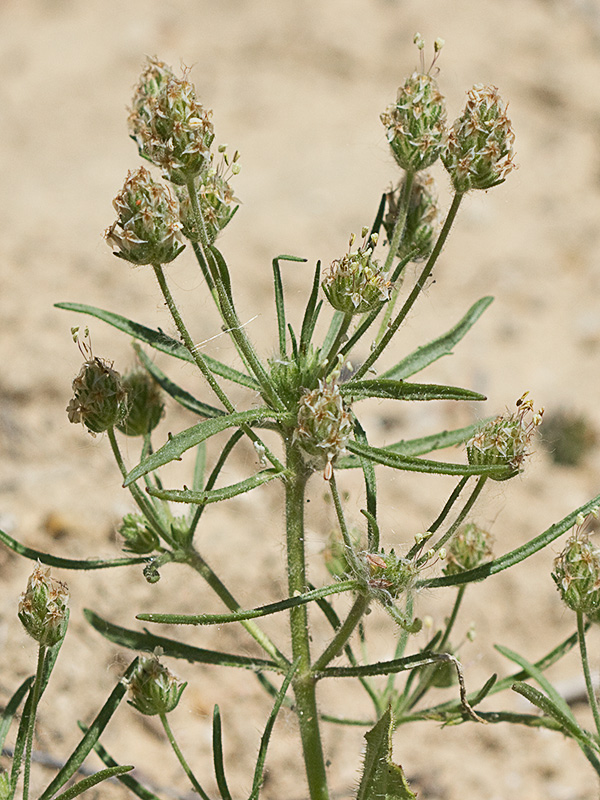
x,y
139,537
355,283
577,575
389,575
470,547
324,425
171,128
416,123
145,404
99,400
153,688
147,230
43,607
422,219
506,440
479,153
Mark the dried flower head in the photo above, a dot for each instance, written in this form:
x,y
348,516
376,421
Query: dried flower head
x,y
147,230
506,440
43,607
422,219
479,153
145,404
356,283
324,425
577,573
99,400
416,123
171,128
139,537
153,688
469,547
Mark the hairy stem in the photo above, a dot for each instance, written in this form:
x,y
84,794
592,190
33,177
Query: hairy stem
x,y
31,726
586,670
181,758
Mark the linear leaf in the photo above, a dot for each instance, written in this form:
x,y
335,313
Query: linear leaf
x,y
147,642
514,556
12,706
218,755
216,495
442,346
93,780
190,437
401,390
311,313
66,563
92,735
159,340
182,396
396,461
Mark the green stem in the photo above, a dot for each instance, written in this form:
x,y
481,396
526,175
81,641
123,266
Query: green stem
x,y
348,543
30,728
586,670
303,681
452,617
400,223
426,272
195,560
181,758
336,645
481,481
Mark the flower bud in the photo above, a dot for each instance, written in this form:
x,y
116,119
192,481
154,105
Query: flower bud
x,y
577,575
43,607
479,153
171,128
506,440
469,547
139,537
422,219
416,123
355,283
324,425
147,230
99,401
145,406
153,688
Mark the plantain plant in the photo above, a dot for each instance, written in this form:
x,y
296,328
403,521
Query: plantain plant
x,y
302,414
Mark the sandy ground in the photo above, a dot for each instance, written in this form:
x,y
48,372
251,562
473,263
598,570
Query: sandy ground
x,y
297,87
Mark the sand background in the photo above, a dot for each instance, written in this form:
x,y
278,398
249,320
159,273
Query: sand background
x,y
297,87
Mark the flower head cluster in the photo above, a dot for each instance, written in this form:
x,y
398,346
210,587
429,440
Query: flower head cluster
x,y
153,688
470,547
99,400
43,608
506,440
422,218
356,283
324,425
416,123
577,574
145,405
171,128
147,230
139,537
479,153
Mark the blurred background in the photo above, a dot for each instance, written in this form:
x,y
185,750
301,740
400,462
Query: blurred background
x,y
297,88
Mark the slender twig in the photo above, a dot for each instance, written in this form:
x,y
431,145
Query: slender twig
x,y
31,726
181,758
586,670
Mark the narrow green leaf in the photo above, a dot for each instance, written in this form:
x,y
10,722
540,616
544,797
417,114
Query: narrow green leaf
x,y
567,722
200,467
159,341
11,709
334,328
401,390
514,556
261,611
147,642
183,397
127,780
264,741
378,221
442,346
370,479
178,444
396,461
381,778
223,269
92,780
90,738
311,313
218,755
216,495
280,301
66,563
